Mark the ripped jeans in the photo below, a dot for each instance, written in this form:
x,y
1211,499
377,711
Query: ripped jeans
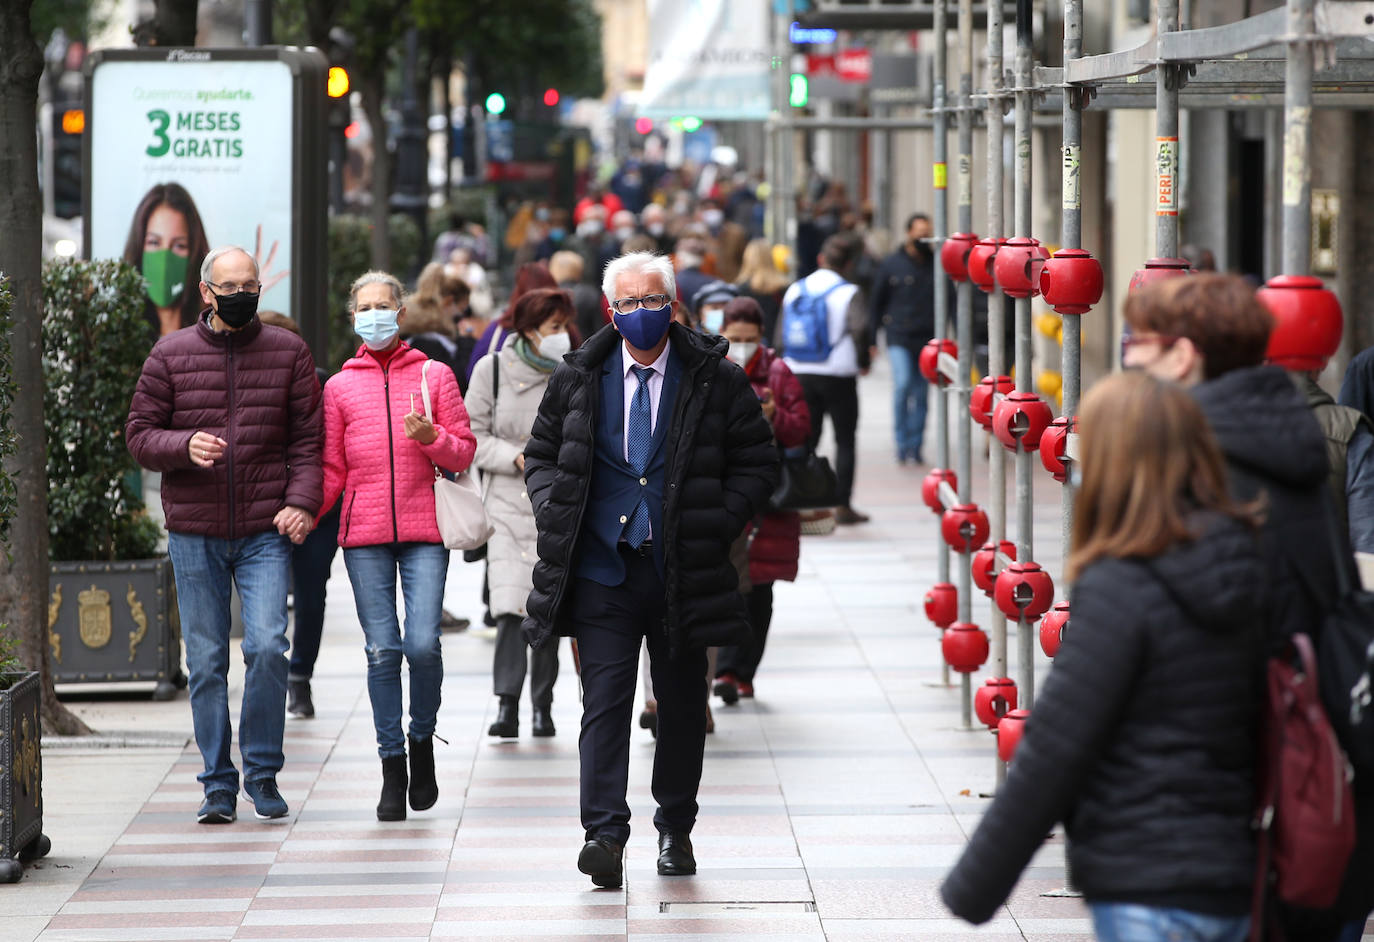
x,y
423,568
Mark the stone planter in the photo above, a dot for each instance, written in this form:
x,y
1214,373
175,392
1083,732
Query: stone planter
x,y
110,622
21,775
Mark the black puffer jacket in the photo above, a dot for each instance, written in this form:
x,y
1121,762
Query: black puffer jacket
x,y
1274,448
1142,740
721,468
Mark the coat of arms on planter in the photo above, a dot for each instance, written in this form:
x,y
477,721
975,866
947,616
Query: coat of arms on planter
x,y
95,618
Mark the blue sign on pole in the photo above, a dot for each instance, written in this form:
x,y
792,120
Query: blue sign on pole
x,y
801,34
798,6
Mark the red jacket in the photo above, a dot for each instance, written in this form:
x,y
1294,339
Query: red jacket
x,y
777,544
256,389
386,479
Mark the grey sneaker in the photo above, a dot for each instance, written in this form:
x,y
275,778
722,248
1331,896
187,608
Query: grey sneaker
x,y
218,808
267,801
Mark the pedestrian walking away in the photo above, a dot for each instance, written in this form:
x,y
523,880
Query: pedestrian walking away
x,y
381,455
825,339
649,456
506,390
229,411
904,308
1138,740
775,547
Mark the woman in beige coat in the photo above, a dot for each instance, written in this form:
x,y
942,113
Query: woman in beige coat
x,y
503,399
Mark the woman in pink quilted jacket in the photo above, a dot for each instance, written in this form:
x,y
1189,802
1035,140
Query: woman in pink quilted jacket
x,y
379,456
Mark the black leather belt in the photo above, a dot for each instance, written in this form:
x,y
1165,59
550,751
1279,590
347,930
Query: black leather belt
x,y
644,550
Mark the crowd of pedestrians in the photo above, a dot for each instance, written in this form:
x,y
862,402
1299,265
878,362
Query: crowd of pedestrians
x,y
628,409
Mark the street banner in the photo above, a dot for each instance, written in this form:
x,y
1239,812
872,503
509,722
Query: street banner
x,y
709,59
191,149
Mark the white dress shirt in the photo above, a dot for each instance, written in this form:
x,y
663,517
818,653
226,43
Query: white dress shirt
x,y
655,384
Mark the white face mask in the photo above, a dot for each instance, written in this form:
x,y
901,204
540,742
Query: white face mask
x,y
624,232
590,227
654,229
741,353
712,217
555,346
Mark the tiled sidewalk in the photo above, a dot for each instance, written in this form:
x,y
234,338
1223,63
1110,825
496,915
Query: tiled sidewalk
x,y
832,804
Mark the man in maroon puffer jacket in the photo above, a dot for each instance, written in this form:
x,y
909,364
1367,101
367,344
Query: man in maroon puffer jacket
x,y
229,411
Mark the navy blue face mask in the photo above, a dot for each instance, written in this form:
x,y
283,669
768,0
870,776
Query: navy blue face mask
x,y
643,329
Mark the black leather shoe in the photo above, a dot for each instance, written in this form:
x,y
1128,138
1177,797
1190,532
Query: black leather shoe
x,y
541,723
675,857
603,861
507,725
298,701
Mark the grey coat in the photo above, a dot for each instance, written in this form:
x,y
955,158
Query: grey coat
x,y
511,551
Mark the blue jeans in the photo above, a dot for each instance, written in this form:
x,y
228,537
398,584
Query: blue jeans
x,y
260,566
372,570
908,402
1130,922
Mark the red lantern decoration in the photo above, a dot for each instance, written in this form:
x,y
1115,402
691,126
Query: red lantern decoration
x,y
1053,444
1023,590
930,487
994,700
964,527
985,563
1009,732
1017,266
1019,420
1308,320
1052,628
980,401
1159,268
1071,281
954,255
942,604
980,264
965,647
929,360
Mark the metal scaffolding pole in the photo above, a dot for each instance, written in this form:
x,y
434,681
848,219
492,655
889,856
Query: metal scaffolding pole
x,y
1166,139
1071,237
777,132
965,341
1025,637
997,354
1297,140
940,174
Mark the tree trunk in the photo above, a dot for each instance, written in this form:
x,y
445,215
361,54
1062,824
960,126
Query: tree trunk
x,y
175,23
24,564
372,86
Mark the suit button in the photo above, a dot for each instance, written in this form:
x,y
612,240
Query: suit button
x,y
643,481
624,519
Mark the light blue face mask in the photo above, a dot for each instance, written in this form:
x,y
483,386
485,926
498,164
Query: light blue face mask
x,y
377,327
713,320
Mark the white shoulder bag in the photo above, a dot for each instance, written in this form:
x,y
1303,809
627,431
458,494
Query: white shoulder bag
x,y
458,507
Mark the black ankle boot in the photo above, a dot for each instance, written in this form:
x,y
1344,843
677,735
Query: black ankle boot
x,y
507,724
392,806
541,723
424,790
298,702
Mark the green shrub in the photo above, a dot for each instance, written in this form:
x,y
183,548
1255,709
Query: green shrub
x,y
95,339
8,443
11,668
350,254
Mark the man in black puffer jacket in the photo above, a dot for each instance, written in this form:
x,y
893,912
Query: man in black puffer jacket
x,y
1210,332
649,456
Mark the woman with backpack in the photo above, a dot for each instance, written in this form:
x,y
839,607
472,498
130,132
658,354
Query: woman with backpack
x,y
1142,741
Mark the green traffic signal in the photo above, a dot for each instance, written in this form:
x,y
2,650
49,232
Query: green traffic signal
x,y
496,103
798,91
690,124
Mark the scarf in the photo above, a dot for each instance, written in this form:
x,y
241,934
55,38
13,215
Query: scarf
x,y
523,350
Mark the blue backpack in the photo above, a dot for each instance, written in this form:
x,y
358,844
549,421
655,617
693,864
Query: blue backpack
x,y
806,325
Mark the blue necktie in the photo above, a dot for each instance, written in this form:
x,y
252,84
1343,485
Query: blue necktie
x,y
638,438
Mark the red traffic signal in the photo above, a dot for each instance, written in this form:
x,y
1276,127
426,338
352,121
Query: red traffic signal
x,y
551,97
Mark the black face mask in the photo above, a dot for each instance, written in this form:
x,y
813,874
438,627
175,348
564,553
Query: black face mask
x,y
237,309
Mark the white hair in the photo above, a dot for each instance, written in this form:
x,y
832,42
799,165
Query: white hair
x,y
374,278
207,267
636,263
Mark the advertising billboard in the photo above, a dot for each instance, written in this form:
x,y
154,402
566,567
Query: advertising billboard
x,y
190,149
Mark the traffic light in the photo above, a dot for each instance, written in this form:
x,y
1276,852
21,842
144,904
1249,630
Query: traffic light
x,y
496,103
798,91
644,125
69,124
338,81
691,123
551,97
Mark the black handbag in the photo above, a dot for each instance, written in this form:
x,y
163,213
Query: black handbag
x,y
807,482
480,553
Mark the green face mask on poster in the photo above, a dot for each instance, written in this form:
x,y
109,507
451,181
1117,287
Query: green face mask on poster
x,y
164,272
